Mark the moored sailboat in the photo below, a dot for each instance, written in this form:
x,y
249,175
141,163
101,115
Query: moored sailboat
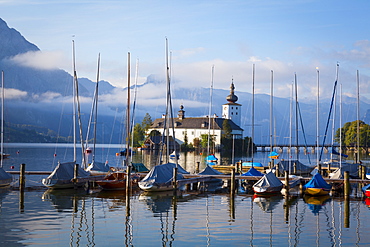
x,y
69,174
317,186
63,175
268,184
161,177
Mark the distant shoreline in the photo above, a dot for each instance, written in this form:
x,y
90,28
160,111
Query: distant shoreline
x,y
51,145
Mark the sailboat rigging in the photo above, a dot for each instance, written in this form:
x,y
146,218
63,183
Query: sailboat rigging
x,y
160,177
5,178
63,173
95,168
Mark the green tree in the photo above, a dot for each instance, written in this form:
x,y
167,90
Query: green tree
x,y
147,122
349,134
204,140
226,129
226,137
196,142
139,135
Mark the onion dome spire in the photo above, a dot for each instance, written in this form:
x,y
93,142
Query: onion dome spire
x,y
232,97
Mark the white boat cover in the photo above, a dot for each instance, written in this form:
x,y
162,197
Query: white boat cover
x,y
268,183
339,173
64,171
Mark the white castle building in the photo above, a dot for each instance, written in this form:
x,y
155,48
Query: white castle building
x,y
195,127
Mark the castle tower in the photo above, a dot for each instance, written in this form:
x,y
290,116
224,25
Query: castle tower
x,y
181,113
232,110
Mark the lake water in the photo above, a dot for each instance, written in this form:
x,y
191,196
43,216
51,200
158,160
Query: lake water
x,y
98,218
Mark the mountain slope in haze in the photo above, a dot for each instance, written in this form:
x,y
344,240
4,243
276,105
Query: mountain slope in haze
x,y
34,86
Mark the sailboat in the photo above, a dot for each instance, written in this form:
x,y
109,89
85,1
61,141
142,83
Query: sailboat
x,y
95,168
64,173
161,177
268,184
117,180
5,178
317,186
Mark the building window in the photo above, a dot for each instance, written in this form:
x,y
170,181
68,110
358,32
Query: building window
x,y
236,113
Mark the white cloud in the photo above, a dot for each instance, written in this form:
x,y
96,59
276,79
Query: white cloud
x,y
40,60
11,93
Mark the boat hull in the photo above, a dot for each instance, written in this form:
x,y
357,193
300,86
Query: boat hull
x,y
367,193
155,188
267,191
61,184
117,181
317,191
5,182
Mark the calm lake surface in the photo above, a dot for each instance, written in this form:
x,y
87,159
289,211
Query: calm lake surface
x,y
99,218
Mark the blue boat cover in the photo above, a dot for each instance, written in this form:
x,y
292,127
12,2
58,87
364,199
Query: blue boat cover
x,y
288,165
210,171
333,151
211,157
365,188
163,174
317,182
253,172
65,171
4,175
257,164
98,166
273,155
139,167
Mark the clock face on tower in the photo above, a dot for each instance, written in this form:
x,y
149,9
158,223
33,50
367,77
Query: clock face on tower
x,y
225,108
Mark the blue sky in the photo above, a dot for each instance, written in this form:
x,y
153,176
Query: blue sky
x,y
284,36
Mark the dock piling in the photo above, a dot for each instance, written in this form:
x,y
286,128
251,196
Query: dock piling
x,y
287,183
232,182
347,185
22,177
174,180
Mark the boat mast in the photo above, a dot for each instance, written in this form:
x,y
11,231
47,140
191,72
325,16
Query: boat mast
x,y
340,124
296,115
252,141
78,109
134,105
329,115
317,116
210,111
271,114
96,107
168,102
74,103
2,118
128,111
94,112
358,117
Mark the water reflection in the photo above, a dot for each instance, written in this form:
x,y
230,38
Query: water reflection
x,y
64,200
68,200
160,204
267,203
315,203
